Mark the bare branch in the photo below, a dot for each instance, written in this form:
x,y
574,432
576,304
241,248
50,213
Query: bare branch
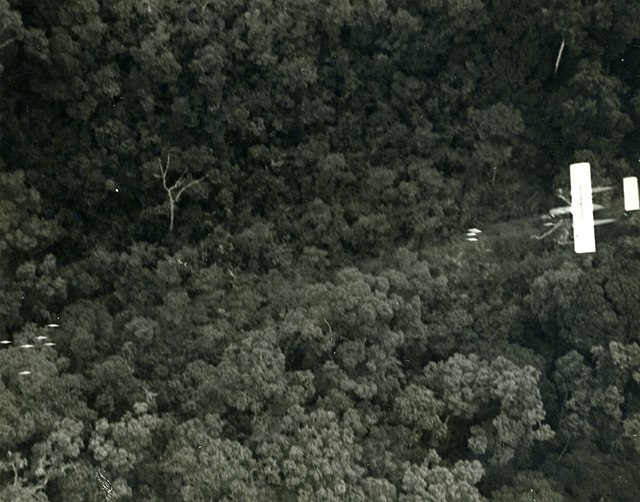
x,y
163,173
559,56
549,232
561,196
7,42
189,185
177,183
15,473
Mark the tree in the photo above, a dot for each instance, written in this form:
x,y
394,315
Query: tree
x,y
497,129
527,486
124,447
562,300
28,274
432,482
201,464
308,454
12,29
592,104
467,385
55,456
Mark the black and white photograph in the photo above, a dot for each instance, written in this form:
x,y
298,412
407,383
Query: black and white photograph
x,y
319,251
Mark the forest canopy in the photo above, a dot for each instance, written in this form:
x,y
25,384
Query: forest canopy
x,y
231,261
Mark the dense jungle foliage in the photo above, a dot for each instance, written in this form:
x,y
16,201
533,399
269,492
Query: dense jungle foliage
x,y
245,217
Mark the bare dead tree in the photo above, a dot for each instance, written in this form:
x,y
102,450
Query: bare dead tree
x,y
176,190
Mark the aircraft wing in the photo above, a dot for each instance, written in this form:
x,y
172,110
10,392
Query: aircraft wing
x,y
631,199
584,237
